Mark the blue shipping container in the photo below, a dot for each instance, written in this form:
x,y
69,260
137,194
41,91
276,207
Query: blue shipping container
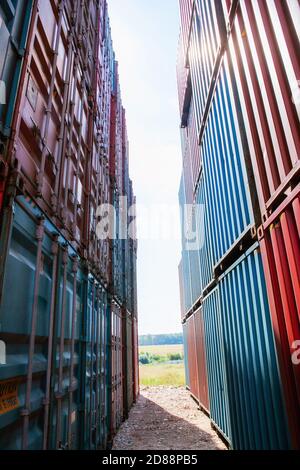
x,y
244,384
14,23
54,334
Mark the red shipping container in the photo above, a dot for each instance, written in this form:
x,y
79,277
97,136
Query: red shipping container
x,y
61,126
280,249
186,11
183,76
117,378
201,360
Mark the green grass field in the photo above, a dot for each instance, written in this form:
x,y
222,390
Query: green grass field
x,y
162,373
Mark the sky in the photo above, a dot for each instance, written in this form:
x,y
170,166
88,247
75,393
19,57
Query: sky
x,y
145,36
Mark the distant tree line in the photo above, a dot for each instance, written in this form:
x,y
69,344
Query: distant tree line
x,y
149,340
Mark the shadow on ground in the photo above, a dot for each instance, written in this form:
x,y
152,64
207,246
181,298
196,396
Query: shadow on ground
x,y
152,427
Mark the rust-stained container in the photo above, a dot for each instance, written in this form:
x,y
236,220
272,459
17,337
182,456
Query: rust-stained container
x,y
280,247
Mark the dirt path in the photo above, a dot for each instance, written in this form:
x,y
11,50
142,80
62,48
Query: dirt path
x,y
166,418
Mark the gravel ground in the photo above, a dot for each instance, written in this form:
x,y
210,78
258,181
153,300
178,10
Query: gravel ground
x,y
166,418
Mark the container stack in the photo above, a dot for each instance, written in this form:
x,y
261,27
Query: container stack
x,y
68,309
238,84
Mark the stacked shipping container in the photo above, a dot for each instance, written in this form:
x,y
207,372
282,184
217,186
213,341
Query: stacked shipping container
x,y
239,110
68,310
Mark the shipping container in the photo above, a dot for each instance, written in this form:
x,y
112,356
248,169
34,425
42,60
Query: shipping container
x,y
15,20
256,407
280,247
202,394
245,388
242,103
195,357
61,144
117,352
54,337
186,11
192,358
225,211
181,290
206,35
135,359
128,373
185,254
229,204
93,367
216,368
183,79
186,356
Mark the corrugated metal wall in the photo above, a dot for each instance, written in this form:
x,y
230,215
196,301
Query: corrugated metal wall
x,y
68,299
241,98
